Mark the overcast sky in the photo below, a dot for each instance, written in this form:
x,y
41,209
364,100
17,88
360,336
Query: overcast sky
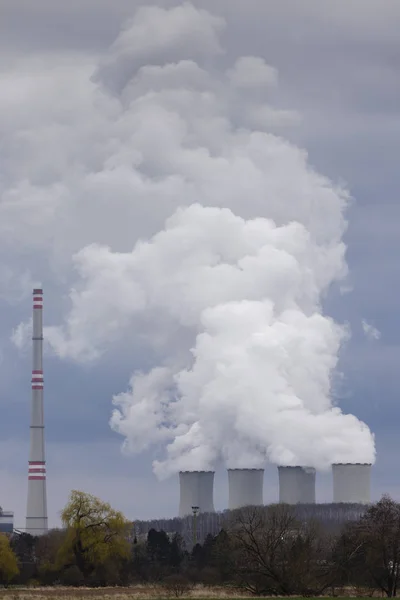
x,y
65,83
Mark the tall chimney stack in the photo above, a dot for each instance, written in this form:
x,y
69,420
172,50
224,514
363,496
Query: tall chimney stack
x,y
36,514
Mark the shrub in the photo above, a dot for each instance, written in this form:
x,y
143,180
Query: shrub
x,y
176,586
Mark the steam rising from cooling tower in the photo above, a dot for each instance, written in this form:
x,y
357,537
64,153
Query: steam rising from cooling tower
x,y
296,485
196,490
241,240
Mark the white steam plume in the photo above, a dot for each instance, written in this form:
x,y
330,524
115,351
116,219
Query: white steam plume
x,y
370,331
244,240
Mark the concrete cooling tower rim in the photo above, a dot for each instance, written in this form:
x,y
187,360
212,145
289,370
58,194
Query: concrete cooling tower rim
x,y
196,471
244,470
308,470
351,464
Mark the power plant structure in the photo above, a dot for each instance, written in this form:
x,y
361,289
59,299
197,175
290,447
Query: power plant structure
x,y
196,492
296,485
36,513
245,487
351,483
6,521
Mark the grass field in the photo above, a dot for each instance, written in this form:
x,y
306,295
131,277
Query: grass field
x,y
138,592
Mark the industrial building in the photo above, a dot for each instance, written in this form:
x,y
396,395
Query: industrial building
x,y
196,492
351,483
6,521
296,485
245,487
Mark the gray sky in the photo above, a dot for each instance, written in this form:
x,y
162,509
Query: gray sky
x,y
338,69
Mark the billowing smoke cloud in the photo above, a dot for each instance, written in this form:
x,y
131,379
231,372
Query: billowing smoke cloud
x,y
244,240
257,382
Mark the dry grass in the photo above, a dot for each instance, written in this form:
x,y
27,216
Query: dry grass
x,y
137,592
154,592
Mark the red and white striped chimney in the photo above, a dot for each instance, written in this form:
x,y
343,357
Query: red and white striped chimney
x,y
36,514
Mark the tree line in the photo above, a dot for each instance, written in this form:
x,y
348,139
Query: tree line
x,y
263,550
331,516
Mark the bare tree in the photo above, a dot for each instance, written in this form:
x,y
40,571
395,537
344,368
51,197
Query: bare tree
x,y
373,545
273,553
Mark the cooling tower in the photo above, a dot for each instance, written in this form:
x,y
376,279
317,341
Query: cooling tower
x,y
245,487
296,485
352,483
196,489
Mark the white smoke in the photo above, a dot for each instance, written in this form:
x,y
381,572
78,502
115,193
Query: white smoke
x,y
370,331
22,334
244,240
258,384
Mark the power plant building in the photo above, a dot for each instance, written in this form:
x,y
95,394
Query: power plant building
x,y
351,483
6,521
196,491
296,485
245,487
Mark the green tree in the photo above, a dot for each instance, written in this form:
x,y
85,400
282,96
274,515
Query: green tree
x,y
140,562
95,533
8,561
158,553
47,548
177,552
23,545
222,556
158,546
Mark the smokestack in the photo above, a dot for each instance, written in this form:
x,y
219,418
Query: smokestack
x,y
296,485
196,489
245,487
352,483
36,514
